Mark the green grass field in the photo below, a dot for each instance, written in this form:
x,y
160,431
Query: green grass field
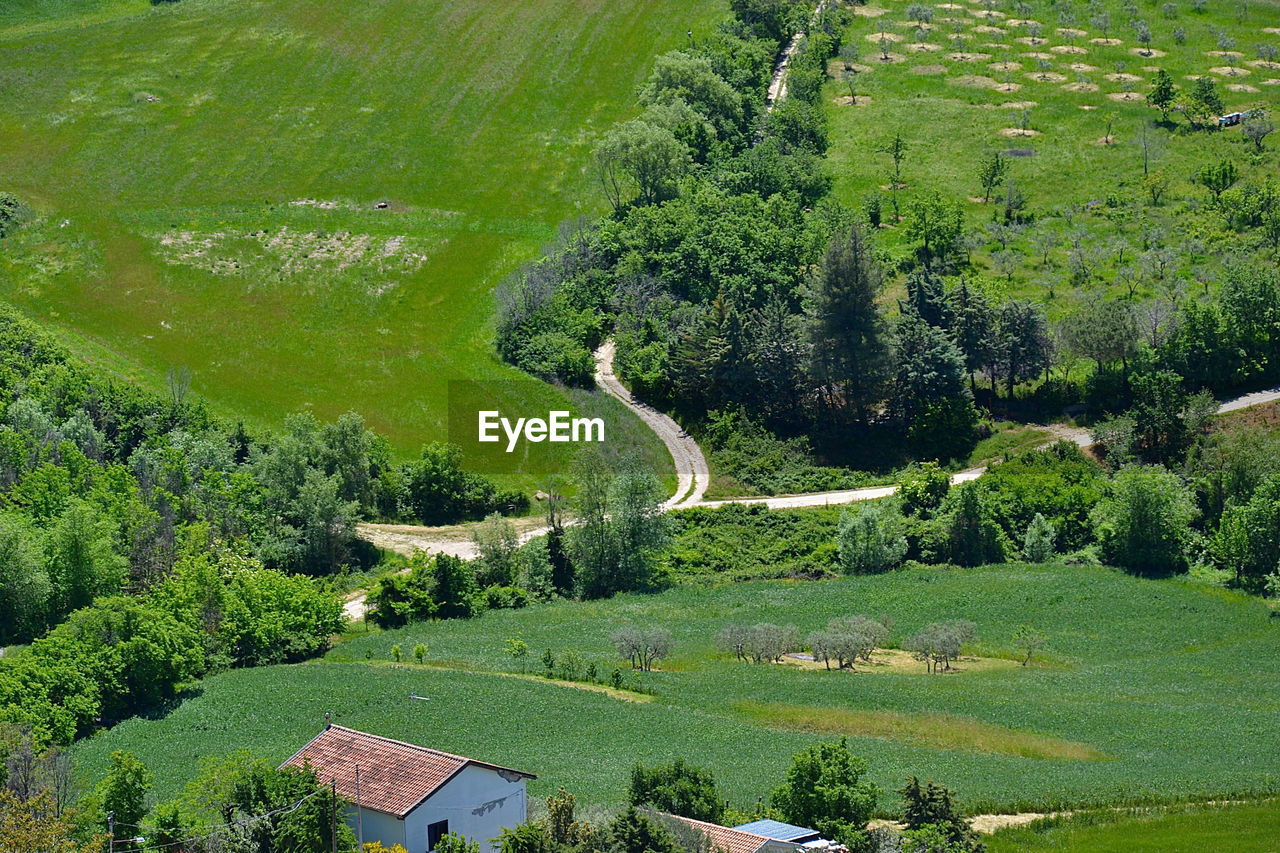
x,y
1242,828
1147,691
960,95
205,175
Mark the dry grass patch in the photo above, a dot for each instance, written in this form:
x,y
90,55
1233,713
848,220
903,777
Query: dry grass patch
x,y
1081,86
1072,49
922,47
1225,54
1047,77
876,38
1082,67
836,67
928,729
1121,77
1230,71
1007,88
986,30
1018,132
1086,107
972,81
960,56
1018,105
1071,32
1005,66
1125,97
1106,42
846,101
1243,87
869,11
1039,55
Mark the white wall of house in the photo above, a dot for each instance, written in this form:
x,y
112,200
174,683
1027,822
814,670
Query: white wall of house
x,y
377,826
478,803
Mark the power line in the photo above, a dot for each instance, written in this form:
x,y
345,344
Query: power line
x,y
248,823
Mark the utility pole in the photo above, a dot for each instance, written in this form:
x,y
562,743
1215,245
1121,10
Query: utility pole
x,y
359,816
413,697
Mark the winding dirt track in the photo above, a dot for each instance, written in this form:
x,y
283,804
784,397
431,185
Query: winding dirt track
x,y
692,474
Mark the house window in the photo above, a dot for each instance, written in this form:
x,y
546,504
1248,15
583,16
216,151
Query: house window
x,y
436,831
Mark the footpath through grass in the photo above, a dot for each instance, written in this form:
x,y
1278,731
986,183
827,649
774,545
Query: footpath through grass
x,y
1147,691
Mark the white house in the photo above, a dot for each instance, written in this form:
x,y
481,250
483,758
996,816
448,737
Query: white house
x,y
410,795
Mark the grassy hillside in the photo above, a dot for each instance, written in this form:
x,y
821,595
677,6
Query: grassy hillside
x,y
1064,103
1251,827
1147,691
206,174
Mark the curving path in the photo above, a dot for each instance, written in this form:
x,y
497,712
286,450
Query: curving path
x,y
692,474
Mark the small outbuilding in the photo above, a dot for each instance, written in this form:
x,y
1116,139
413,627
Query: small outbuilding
x,y
411,795
779,831
730,840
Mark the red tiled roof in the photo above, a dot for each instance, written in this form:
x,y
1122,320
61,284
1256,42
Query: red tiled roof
x,y
394,776
724,838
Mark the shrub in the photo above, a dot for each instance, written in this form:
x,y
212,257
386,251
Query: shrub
x,y
870,538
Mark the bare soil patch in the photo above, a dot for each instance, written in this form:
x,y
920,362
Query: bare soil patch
x,y
1020,22
1148,52
1225,54
928,70
1005,66
1039,55
995,45
950,7
1007,88
889,58
960,56
1017,105
846,101
1123,78
986,30
1032,41
836,67
1106,42
1274,81
1085,107
1230,71
1047,77
1275,31
1151,69
988,15
1071,32
922,47
1082,67
1125,97
875,38
1242,87
1262,63
973,81
1073,49
1018,132
1081,87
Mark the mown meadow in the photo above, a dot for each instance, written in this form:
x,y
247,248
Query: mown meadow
x,y
205,177
1145,691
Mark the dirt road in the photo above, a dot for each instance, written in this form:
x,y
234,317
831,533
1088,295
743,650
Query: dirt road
x,y
692,473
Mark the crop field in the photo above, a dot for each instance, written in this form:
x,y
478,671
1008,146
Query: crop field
x,y
206,176
1146,691
1064,102
1251,828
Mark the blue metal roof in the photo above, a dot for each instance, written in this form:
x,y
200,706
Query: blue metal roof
x,y
779,831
